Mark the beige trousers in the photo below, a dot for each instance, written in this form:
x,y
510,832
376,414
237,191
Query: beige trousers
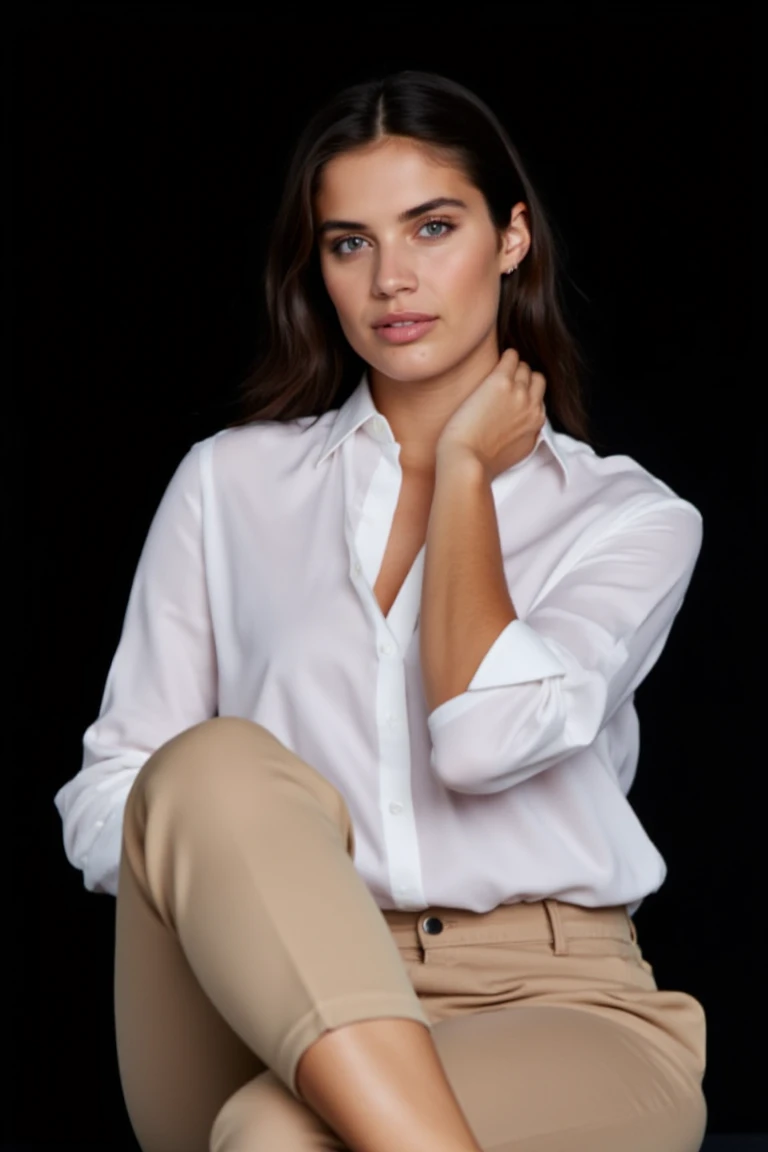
x,y
244,932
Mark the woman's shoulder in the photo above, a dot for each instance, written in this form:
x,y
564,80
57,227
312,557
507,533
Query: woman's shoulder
x,y
277,448
627,485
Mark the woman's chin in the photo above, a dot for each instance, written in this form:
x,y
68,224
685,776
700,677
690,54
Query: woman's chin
x,y
412,368
431,359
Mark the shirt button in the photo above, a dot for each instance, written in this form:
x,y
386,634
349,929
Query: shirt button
x,y
357,566
99,824
396,807
386,648
432,925
392,720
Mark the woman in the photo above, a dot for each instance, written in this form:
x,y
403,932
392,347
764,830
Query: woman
x,y
359,777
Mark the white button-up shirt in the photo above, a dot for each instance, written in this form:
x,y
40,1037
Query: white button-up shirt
x,y
253,597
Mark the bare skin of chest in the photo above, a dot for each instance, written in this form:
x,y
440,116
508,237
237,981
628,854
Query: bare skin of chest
x,y
406,538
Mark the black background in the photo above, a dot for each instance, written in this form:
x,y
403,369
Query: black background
x,y
148,146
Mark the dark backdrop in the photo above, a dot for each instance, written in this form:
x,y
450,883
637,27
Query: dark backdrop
x,y
149,144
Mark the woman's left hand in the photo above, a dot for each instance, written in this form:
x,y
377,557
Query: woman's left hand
x,y
500,421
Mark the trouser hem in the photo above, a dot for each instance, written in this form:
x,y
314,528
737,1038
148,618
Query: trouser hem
x,y
334,1014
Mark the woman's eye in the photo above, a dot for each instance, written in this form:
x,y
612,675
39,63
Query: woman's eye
x,y
430,229
348,245
436,228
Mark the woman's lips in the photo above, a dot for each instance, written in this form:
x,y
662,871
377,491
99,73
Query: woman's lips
x,y
404,332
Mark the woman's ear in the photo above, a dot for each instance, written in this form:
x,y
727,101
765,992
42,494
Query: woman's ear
x,y
516,238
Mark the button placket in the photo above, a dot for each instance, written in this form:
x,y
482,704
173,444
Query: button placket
x,y
391,638
400,838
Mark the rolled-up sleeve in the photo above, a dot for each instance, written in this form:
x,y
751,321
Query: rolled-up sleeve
x,y
551,682
162,680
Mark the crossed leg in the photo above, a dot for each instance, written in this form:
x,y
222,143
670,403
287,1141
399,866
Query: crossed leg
x,y
528,1078
230,963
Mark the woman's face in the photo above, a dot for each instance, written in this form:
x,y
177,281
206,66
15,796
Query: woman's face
x,y
401,231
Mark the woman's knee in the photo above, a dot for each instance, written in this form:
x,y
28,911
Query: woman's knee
x,y
202,759
226,769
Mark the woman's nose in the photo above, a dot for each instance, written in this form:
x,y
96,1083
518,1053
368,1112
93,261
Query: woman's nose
x,y
392,273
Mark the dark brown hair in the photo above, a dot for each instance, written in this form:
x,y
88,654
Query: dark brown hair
x,y
308,366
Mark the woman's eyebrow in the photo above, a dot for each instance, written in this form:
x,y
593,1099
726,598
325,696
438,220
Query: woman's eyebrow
x,y
409,214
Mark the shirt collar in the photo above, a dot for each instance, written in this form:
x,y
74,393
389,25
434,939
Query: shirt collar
x,y
359,410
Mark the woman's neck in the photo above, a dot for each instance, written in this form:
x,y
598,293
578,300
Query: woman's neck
x,y
418,410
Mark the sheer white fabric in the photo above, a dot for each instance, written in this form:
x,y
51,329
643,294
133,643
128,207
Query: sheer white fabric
x,y
253,597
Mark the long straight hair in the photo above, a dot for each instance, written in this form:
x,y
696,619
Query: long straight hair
x,y
308,366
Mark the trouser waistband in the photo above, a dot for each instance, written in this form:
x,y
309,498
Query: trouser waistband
x,y
549,920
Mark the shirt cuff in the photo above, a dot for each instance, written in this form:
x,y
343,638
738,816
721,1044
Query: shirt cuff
x,y
101,865
518,655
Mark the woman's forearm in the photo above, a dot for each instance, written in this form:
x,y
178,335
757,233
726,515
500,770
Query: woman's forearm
x,y
465,602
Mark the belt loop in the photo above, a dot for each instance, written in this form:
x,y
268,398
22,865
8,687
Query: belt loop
x,y
632,929
558,930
